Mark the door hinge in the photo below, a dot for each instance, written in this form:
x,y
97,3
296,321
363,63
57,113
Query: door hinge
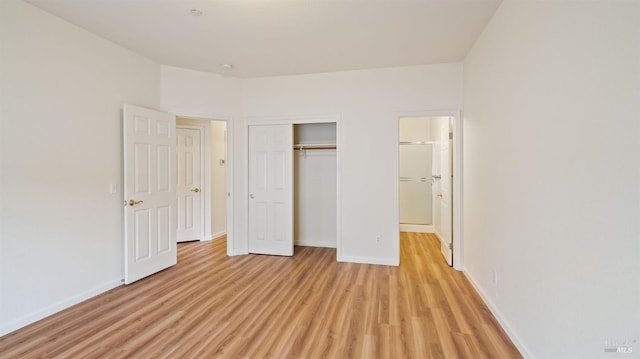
x,y
450,246
451,135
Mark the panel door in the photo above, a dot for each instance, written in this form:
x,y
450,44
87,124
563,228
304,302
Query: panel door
x,y
189,189
271,189
149,190
444,195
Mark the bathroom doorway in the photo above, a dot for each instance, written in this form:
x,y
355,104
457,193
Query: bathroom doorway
x,y
425,178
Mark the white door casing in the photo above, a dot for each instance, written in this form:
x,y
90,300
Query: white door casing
x,y
444,195
188,188
149,192
271,189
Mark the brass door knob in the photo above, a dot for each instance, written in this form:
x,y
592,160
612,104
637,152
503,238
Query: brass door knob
x,y
133,203
439,195
196,190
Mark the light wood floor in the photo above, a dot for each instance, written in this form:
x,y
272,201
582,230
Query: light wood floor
x,y
308,306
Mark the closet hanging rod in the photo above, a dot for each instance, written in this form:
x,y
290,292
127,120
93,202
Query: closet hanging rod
x,y
419,143
416,179
314,146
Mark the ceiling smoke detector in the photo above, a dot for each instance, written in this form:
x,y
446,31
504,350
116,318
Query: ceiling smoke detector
x,y
195,12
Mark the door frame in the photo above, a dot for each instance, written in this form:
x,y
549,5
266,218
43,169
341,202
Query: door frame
x,y
456,170
205,185
296,120
229,175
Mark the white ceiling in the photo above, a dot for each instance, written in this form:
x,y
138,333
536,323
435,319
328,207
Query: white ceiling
x,y
284,37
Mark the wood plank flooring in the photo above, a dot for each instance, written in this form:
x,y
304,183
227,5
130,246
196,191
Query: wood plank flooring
x,y
308,306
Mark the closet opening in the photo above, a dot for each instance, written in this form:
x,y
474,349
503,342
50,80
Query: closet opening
x,y
314,185
293,186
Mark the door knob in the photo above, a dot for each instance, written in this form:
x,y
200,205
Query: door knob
x,y
437,176
251,196
196,190
133,203
440,195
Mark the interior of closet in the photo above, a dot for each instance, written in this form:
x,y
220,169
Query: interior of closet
x,y
314,183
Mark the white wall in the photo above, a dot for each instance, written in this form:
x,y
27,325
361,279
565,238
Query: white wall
x,y
60,101
218,179
369,103
199,94
552,154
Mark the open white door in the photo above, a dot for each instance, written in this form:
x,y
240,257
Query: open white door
x,y
444,195
271,189
149,192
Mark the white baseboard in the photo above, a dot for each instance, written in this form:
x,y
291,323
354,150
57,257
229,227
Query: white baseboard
x,y
367,260
499,317
417,228
218,235
61,305
322,244
237,253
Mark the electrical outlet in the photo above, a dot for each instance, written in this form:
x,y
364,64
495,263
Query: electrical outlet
x,y
494,278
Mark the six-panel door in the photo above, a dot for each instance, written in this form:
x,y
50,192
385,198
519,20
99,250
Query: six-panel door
x,y
189,189
271,189
149,190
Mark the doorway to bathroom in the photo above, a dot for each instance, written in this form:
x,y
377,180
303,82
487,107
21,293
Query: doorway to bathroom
x,y
426,178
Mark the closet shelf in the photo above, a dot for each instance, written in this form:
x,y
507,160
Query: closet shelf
x,y
314,146
419,143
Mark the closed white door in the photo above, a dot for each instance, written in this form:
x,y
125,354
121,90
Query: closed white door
x,y
444,195
271,189
189,188
150,193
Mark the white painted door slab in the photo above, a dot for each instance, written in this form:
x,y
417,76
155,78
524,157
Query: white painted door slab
x,y
271,189
149,192
444,195
189,188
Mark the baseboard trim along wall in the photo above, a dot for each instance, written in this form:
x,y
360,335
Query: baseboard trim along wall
x,y
57,307
417,228
367,260
321,244
218,235
499,317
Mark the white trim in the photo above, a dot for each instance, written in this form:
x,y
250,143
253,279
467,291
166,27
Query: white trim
x,y
217,235
338,121
369,260
229,164
417,228
291,119
321,244
457,234
295,120
515,338
56,307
